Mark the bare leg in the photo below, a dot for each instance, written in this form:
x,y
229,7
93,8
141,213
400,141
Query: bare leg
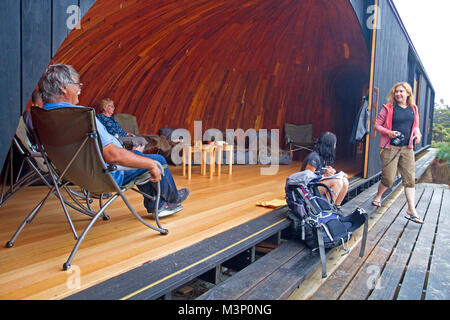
x,y
410,197
338,186
381,189
343,191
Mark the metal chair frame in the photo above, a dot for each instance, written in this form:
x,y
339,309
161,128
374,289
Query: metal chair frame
x,y
23,142
58,181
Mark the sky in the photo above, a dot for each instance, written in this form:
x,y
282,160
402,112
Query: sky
x,y
426,22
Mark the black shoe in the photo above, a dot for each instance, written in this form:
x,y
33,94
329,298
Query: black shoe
x,y
183,194
169,209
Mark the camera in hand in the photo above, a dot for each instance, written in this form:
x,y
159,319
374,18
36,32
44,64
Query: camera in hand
x,y
398,140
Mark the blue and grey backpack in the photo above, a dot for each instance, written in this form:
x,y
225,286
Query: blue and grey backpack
x,y
318,220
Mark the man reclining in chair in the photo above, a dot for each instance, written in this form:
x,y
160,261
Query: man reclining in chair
x,y
60,87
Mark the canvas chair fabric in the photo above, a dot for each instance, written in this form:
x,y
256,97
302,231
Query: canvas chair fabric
x,y
25,144
63,141
155,143
298,137
128,122
31,169
69,142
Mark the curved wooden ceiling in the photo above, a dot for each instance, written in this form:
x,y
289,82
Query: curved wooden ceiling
x,y
230,63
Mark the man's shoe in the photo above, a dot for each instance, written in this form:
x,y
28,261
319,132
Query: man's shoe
x,y
169,209
182,195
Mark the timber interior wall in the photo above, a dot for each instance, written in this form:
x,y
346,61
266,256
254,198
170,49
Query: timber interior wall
x,y
231,64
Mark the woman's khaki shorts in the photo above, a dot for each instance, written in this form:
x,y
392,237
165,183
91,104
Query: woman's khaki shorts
x,y
404,162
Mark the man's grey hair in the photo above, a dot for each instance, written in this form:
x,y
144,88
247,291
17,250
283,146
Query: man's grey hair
x,y
54,78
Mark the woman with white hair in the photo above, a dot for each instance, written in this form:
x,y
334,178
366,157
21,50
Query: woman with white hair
x,y
106,117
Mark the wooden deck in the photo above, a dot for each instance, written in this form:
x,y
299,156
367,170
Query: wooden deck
x,y
403,260
32,269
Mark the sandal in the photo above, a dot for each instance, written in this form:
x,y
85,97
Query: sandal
x,y
414,218
376,203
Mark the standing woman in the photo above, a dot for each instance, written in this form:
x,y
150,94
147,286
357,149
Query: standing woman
x,y
398,123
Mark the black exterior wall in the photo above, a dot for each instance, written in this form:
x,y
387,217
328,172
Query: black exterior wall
x,y
31,32
396,60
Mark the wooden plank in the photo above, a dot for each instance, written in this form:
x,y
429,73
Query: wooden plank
x,y
439,277
362,284
392,272
10,106
36,43
414,279
61,22
246,279
32,268
281,283
338,281
158,277
390,42
85,5
424,162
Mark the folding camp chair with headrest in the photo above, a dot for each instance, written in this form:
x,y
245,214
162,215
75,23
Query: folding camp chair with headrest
x,y
71,146
32,168
30,156
298,137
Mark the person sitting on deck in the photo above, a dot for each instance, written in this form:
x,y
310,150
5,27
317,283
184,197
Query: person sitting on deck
x,y
321,160
36,101
60,87
106,117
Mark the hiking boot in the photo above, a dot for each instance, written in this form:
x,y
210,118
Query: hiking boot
x,y
182,195
169,209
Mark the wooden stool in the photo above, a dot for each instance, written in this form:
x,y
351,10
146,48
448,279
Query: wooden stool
x,y
220,150
187,152
211,149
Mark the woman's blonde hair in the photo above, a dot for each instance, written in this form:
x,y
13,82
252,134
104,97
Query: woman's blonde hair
x,y
103,103
410,100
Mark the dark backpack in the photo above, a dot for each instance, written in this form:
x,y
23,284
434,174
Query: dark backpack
x,y
317,220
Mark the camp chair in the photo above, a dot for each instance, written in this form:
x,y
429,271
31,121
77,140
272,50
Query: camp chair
x,y
155,143
71,147
22,143
298,137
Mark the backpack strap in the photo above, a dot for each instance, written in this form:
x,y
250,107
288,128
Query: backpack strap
x,y
322,251
364,237
315,185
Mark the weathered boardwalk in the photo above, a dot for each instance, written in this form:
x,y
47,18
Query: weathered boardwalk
x,y
403,260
